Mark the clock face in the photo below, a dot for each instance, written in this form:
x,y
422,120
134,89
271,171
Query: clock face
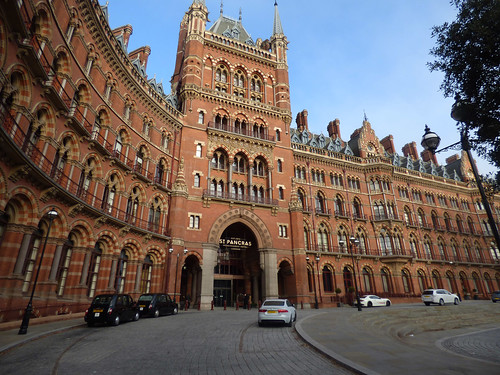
x,y
370,147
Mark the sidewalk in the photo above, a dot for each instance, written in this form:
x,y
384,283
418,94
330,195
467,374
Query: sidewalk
x,y
462,339
38,327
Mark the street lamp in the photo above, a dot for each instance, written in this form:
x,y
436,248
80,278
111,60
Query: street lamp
x,y
353,241
314,281
462,113
52,214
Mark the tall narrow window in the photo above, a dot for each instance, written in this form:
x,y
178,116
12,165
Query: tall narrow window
x,y
327,279
154,215
121,272
64,262
147,270
385,280
30,260
366,280
95,263
118,144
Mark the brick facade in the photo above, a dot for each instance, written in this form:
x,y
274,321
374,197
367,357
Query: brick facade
x,y
207,193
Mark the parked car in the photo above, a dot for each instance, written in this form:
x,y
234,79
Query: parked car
x,y
495,296
277,311
111,309
439,296
372,300
156,304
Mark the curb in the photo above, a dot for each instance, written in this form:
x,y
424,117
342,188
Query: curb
x,y
38,336
329,353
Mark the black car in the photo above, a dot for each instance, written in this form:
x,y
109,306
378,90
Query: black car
x,y
156,304
495,296
111,309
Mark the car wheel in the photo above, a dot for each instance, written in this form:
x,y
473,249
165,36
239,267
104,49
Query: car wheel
x,y
290,323
441,302
370,304
260,324
156,314
494,301
456,301
116,320
427,303
388,303
176,310
295,317
136,317
90,324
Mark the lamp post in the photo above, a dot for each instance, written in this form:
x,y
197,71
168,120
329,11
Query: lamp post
x,y
462,113
52,214
353,241
314,282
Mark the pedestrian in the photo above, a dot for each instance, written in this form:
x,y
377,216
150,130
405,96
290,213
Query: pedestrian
x,y
245,300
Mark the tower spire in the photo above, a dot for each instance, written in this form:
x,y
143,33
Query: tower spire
x,y
221,7
277,28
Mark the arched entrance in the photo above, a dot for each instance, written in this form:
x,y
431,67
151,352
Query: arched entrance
x,y
348,284
237,274
286,281
190,282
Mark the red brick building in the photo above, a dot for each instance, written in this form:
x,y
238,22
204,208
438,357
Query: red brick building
x,y
207,193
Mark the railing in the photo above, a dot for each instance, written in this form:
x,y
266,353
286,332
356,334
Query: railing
x,y
247,131
322,211
40,162
239,197
384,216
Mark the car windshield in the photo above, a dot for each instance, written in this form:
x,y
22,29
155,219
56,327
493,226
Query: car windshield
x,y
145,298
431,292
102,300
274,303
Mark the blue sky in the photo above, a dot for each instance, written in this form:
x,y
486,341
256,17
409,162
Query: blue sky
x,y
345,57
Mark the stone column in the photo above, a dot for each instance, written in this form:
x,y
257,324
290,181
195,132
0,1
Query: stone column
x,y
207,276
85,269
268,259
55,263
112,274
138,275
18,268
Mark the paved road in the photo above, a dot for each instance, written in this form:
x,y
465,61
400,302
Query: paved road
x,y
407,339
215,342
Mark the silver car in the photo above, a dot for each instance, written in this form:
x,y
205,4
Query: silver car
x,y
439,296
277,310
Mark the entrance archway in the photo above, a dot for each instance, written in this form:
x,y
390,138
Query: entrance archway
x,y
190,282
237,273
286,280
348,284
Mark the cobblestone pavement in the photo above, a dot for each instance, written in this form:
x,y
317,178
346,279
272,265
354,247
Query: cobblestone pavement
x,y
215,342
401,339
483,345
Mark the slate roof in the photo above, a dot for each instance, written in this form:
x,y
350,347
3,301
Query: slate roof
x,y
231,28
450,171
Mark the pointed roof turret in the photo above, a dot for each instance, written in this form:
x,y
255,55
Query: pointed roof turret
x,y
277,28
202,2
231,28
